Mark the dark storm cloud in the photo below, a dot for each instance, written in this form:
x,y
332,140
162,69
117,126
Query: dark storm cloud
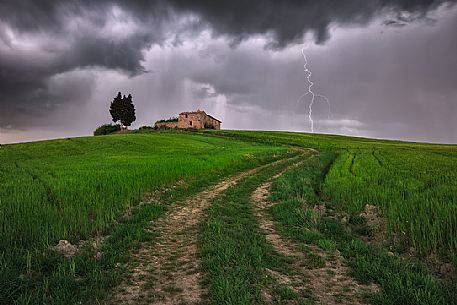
x,y
54,46
287,21
26,98
403,19
25,77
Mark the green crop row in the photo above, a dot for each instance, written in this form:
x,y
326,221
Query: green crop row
x,y
416,190
415,184
401,279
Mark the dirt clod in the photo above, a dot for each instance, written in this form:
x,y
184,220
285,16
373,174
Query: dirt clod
x,y
65,247
373,217
376,223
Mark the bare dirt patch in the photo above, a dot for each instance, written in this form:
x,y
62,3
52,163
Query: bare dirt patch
x,y
444,270
69,250
378,233
168,269
65,248
330,283
376,222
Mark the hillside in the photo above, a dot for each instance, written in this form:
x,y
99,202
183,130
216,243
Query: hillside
x,y
414,183
373,207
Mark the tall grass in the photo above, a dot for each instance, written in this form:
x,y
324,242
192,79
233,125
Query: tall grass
x,y
415,184
417,191
403,280
74,188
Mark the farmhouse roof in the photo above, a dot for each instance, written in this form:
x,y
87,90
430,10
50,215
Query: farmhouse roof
x,y
214,118
191,112
200,111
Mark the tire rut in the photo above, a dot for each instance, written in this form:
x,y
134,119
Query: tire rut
x,y
330,284
168,270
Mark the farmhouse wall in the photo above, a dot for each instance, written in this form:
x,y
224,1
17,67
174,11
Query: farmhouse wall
x,y
198,119
166,125
195,119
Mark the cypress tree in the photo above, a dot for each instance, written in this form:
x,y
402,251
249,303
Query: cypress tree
x,y
123,110
128,116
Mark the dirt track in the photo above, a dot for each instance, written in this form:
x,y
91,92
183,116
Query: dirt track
x,y
330,284
169,269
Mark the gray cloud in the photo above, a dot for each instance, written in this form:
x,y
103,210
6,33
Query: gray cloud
x,y
48,48
26,94
399,85
31,59
286,20
205,93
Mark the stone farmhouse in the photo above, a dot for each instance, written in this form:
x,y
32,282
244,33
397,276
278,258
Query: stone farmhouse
x,y
194,119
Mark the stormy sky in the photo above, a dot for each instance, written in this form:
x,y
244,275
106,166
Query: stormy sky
x,y
388,67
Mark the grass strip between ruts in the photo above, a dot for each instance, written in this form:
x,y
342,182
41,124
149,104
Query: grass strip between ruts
x,y
233,249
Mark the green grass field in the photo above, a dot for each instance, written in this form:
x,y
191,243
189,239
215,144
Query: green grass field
x,y
402,280
69,189
79,188
75,188
415,184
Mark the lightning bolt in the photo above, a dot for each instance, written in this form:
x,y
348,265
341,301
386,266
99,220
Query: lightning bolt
x,y
314,96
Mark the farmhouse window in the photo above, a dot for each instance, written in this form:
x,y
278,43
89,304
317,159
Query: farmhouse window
x,y
190,123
